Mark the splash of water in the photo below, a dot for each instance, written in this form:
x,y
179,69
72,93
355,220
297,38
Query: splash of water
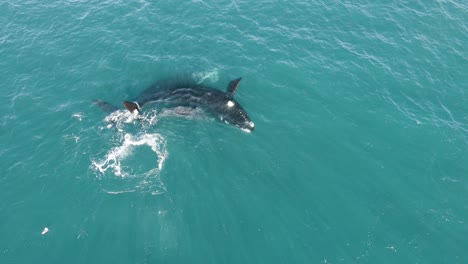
x,y
117,155
137,157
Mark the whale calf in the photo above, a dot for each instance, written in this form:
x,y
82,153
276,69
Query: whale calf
x,y
190,94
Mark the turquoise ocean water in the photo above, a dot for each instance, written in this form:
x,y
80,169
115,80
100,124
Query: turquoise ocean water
x,y
360,153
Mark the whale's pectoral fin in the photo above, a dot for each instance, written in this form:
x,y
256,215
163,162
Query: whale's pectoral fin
x,y
232,87
132,106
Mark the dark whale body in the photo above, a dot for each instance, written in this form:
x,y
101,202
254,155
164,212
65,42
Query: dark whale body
x,y
189,94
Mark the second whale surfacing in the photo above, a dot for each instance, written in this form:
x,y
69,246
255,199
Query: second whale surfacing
x,y
189,94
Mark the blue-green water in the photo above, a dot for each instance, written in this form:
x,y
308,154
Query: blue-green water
x,y
360,153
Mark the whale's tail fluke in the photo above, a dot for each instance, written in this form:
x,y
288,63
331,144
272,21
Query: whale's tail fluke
x,y
132,106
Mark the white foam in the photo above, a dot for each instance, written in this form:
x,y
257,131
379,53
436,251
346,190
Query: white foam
x,y
115,156
120,118
78,116
128,142
230,103
138,157
72,137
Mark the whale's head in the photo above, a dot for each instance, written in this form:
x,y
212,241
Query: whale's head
x,y
232,113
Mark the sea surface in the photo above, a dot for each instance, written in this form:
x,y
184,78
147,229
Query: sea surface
x,y
360,153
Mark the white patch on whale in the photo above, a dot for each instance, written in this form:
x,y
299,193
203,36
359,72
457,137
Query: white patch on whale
x,y
230,103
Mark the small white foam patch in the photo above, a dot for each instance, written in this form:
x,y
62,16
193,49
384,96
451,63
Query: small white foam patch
x,y
78,116
230,103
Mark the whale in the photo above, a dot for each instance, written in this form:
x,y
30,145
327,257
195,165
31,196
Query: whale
x,y
220,104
